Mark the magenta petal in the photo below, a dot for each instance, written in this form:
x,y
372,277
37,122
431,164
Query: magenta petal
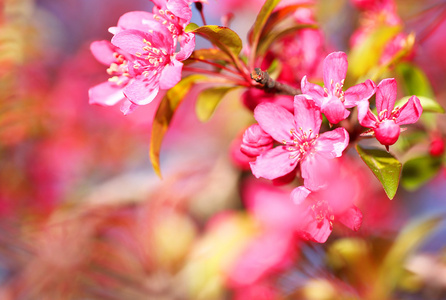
x,y
306,114
273,163
106,93
131,40
352,218
140,20
187,42
275,120
365,116
315,230
386,96
127,107
180,8
315,170
103,51
171,74
335,69
359,92
334,110
255,141
410,112
331,144
315,91
299,194
141,91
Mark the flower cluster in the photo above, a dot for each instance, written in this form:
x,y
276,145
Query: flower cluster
x,y
301,146
142,55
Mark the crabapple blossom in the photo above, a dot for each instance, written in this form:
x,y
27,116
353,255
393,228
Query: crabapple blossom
x,y
154,66
300,142
386,125
331,99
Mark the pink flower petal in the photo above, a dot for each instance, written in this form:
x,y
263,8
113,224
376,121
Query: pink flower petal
x,y
171,74
140,20
334,110
306,114
331,144
255,141
103,51
387,132
106,93
386,96
315,170
359,92
187,42
275,120
335,69
180,8
141,91
299,194
410,112
127,107
365,116
352,218
315,91
131,40
273,163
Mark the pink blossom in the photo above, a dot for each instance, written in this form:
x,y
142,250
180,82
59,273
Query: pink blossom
x,y
386,126
335,202
332,100
154,66
255,141
110,92
300,139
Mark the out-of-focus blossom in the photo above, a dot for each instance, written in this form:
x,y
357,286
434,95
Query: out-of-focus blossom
x,y
331,99
386,126
300,139
436,146
335,202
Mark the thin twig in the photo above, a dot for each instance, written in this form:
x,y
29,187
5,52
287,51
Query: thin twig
x,y
272,86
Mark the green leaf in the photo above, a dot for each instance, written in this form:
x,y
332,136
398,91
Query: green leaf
x,y
414,81
419,170
165,113
384,166
259,23
208,54
208,100
222,37
428,104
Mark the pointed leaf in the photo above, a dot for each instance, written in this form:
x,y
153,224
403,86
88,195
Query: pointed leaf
x,y
208,100
419,170
261,19
164,115
384,166
207,54
222,37
428,104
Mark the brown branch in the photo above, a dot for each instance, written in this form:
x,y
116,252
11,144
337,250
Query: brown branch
x,y
272,86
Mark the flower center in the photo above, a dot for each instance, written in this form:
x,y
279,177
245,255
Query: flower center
x,y
118,69
301,144
335,90
153,58
321,211
168,19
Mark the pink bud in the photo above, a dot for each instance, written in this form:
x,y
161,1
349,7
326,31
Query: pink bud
x,y
387,132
